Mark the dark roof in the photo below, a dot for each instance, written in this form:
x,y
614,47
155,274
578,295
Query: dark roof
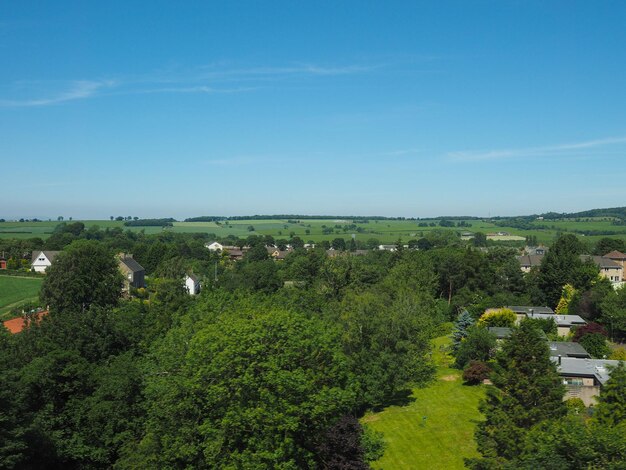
x,y
131,264
48,254
526,309
192,277
501,332
615,255
567,349
530,260
601,262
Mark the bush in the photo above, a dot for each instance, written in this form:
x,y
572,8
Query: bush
x,y
589,328
618,354
476,372
596,345
479,345
498,317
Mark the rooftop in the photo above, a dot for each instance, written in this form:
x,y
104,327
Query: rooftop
x,y
598,368
560,320
567,349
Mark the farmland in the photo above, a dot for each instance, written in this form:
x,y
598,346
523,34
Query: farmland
x,y
16,291
316,230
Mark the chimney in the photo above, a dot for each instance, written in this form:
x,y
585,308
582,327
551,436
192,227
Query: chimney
x,y
532,312
559,359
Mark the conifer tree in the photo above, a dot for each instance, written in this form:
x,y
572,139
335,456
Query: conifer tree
x,y
611,409
461,328
526,391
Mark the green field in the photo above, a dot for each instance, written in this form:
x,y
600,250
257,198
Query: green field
x,y
436,430
386,231
15,291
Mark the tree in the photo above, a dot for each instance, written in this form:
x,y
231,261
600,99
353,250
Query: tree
x,y
461,326
595,344
85,274
527,390
611,409
262,388
479,345
566,298
480,239
338,244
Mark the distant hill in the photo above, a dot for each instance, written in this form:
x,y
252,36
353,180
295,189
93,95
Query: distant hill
x,y
619,212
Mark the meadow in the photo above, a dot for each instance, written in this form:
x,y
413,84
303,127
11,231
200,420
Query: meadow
x,y
386,231
436,429
16,291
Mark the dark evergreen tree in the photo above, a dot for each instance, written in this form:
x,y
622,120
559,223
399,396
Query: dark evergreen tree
x,y
526,391
611,409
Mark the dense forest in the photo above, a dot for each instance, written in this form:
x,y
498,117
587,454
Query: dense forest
x,y
271,366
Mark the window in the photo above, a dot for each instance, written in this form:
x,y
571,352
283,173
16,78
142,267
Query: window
x,y
572,381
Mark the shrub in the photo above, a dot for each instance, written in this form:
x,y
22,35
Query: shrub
x,y
618,354
595,344
476,372
498,317
479,345
588,329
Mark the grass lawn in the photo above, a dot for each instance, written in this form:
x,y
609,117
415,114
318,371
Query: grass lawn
x,y
436,430
15,291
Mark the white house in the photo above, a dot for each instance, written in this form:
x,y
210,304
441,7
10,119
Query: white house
x,y
42,259
215,246
192,284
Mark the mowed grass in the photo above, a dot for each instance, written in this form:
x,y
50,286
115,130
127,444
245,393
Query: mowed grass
x,y
435,430
16,291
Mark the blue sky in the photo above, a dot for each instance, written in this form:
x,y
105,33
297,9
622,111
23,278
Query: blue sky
x,y
409,108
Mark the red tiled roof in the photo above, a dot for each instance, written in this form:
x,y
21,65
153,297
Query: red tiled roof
x,y
615,255
16,325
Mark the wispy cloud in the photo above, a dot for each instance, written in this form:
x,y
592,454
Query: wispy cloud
x,y
560,150
77,90
210,79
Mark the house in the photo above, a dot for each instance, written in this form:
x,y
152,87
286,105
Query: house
x,y
522,311
583,378
214,246
234,254
3,262
42,259
387,247
564,323
567,349
277,254
535,250
609,269
134,274
527,262
618,257
192,284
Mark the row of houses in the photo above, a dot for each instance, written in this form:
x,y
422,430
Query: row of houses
x,y
611,265
134,274
582,376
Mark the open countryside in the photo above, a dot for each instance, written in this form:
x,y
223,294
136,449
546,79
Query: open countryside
x,y
316,230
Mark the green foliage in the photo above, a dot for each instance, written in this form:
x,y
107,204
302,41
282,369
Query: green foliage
x,y
479,345
263,388
566,297
611,409
463,322
526,392
595,344
83,275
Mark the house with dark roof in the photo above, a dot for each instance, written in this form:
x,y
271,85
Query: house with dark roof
x,y
41,260
609,269
133,272
583,378
501,332
568,349
618,257
527,262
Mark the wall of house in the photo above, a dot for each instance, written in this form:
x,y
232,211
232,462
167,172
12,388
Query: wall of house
x,y
586,393
563,330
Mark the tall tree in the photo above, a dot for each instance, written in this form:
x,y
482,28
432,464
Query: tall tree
x,y
527,390
85,274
